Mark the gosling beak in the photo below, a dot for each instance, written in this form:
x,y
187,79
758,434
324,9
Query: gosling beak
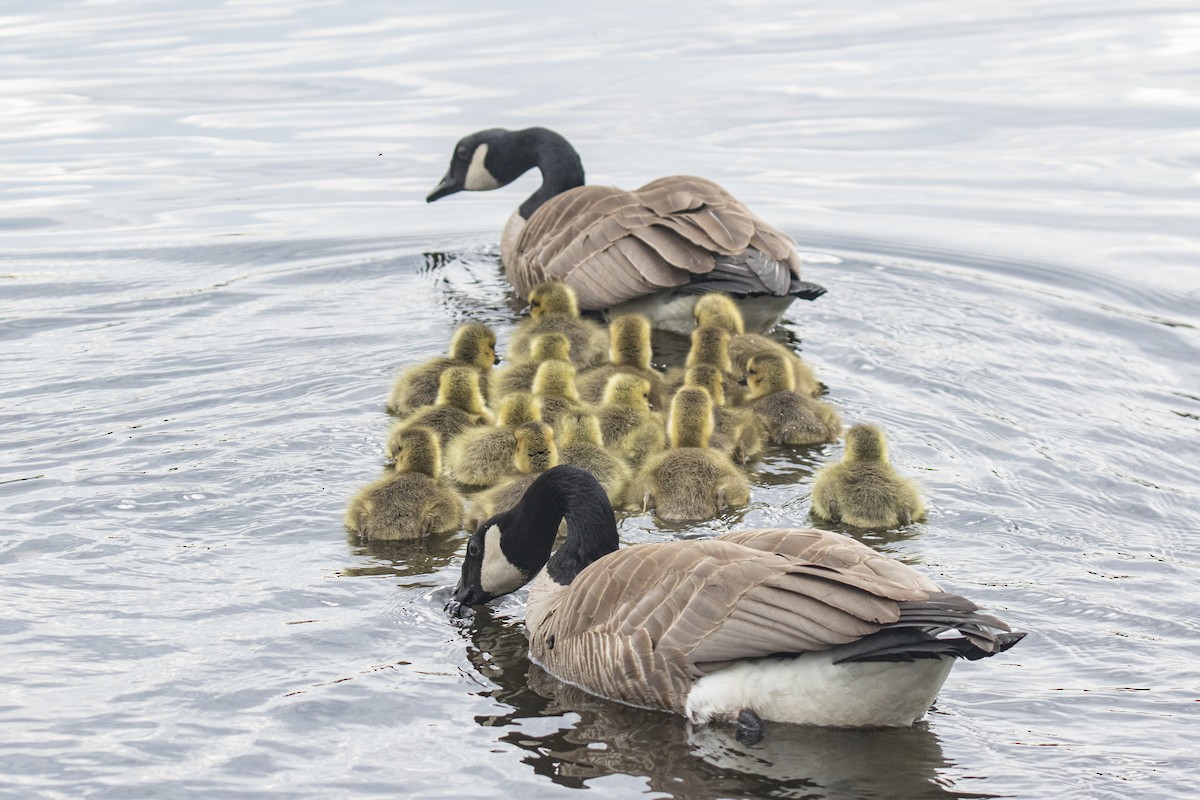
x,y
496,360
448,186
524,312
742,381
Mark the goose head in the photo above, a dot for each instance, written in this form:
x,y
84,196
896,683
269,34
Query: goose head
x,y
691,420
496,157
417,450
474,343
767,374
866,443
459,387
508,550
720,311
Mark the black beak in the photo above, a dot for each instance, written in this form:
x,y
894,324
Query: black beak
x,y
524,312
497,359
742,381
448,186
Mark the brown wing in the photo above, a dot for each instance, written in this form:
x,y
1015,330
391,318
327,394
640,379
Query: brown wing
x,y
613,245
642,623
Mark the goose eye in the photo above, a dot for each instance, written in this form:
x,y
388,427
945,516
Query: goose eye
x,y
473,548
461,153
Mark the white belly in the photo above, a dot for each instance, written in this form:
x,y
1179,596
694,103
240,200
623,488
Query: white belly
x,y
812,690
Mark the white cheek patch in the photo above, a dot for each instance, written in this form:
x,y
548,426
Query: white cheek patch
x,y
478,177
497,575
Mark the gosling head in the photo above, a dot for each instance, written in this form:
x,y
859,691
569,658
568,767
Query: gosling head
x,y
417,450
767,374
691,421
555,379
535,448
627,390
866,443
578,426
517,409
710,345
475,344
459,387
720,311
550,347
709,378
553,297
630,341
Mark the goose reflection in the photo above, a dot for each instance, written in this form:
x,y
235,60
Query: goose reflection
x,y
595,738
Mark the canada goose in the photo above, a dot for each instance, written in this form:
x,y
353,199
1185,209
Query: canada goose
x,y
580,445
863,490
553,308
410,501
719,310
554,387
473,345
787,417
689,481
482,456
653,250
629,351
792,625
536,453
518,376
736,432
627,425
459,406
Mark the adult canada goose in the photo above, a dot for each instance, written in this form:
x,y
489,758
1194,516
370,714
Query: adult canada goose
x,y
690,481
718,310
791,625
863,490
627,425
553,308
473,345
652,251
459,406
736,432
536,453
518,377
787,417
580,445
482,456
629,351
410,501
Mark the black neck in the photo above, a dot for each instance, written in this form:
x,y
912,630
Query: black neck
x,y
553,155
528,531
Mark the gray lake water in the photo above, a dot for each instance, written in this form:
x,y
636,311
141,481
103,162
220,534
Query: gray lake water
x,y
214,255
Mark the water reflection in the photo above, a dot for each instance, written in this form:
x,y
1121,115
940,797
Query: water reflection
x,y
402,559
597,738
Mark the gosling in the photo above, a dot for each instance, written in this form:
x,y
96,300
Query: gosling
x,y
627,425
690,481
473,345
736,432
459,406
862,489
410,501
518,377
719,310
629,352
787,417
580,445
554,308
554,387
536,453
710,347
482,456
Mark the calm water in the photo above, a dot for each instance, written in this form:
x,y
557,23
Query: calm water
x,y
214,254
